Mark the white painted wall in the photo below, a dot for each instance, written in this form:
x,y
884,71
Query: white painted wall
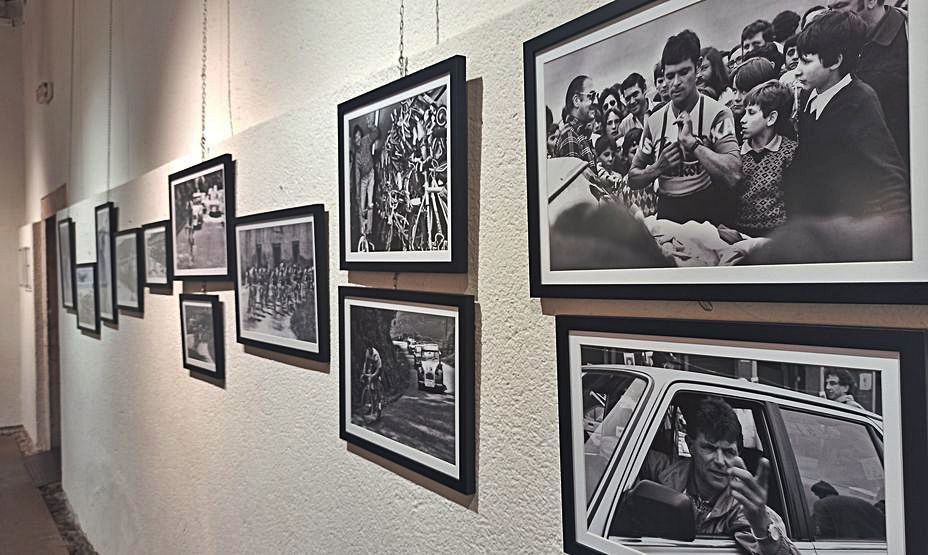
x,y
12,187
158,462
26,363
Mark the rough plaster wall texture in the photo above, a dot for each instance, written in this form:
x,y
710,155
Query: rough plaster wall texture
x,y
156,60
12,187
155,461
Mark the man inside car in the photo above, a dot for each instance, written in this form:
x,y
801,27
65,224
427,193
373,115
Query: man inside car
x,y
728,499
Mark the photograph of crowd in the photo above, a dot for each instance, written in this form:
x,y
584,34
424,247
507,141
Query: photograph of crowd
x,y
200,198
772,449
399,175
716,133
128,270
106,271
406,380
201,333
157,265
277,285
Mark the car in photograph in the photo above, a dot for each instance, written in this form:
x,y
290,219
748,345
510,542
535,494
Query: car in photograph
x,y
826,461
429,368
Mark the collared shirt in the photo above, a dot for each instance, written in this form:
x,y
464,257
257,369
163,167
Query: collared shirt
x,y
772,146
849,400
573,142
725,517
818,101
628,123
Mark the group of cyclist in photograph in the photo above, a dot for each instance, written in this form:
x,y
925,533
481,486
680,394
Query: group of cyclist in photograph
x,y
277,290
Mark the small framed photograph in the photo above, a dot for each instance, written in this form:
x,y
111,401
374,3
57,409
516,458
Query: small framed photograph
x,y
202,335
282,282
675,151
403,174
156,239
88,303
202,204
407,380
66,243
129,285
690,436
105,221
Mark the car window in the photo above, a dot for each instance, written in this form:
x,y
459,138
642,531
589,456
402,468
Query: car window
x,y
609,400
842,476
669,462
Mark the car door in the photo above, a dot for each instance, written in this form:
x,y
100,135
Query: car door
x,y
753,413
838,475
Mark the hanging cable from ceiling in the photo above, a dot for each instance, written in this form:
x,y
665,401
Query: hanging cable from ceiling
x,y
437,30
203,148
403,61
109,102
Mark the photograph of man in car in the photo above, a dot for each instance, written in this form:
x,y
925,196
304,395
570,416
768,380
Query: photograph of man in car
x,y
728,499
840,387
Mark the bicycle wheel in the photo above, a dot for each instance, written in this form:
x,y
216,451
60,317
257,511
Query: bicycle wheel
x,y
367,405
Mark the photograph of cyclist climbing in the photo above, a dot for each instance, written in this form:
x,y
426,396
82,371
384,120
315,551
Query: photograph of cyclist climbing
x,y
407,379
202,207
403,171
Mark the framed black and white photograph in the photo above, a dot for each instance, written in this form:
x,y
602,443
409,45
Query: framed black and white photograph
x,y
712,150
282,283
202,203
88,302
105,225
66,244
727,437
407,380
156,238
202,335
129,284
403,174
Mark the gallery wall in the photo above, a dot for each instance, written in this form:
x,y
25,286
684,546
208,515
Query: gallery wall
x,y
156,461
11,217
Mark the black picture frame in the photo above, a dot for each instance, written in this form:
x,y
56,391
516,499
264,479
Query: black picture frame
x,y
216,369
80,269
106,257
194,223
454,70
887,285
135,236
909,345
318,217
463,307
165,226
66,245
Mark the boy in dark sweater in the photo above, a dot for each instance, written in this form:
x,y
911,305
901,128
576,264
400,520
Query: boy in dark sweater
x,y
847,163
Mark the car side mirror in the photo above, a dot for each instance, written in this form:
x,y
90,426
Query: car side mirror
x,y
652,510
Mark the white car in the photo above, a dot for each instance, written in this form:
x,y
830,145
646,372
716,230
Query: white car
x,y
817,448
429,369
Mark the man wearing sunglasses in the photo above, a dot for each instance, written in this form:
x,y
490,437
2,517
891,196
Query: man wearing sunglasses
x,y
579,107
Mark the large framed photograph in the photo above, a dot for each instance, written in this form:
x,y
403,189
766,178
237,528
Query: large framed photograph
x,y
693,149
129,284
105,224
202,204
403,174
721,437
407,380
202,345
88,303
66,244
156,239
282,282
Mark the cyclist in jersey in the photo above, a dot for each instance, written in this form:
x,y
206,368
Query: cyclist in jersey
x,y
371,372
688,145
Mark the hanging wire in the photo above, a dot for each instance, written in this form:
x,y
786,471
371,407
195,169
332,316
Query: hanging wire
x,y
109,102
203,149
403,61
229,62
437,32
71,99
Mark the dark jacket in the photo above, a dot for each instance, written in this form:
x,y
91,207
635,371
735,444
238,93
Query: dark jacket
x,y
847,163
884,65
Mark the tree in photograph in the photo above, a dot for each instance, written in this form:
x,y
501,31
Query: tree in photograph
x,y
371,327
